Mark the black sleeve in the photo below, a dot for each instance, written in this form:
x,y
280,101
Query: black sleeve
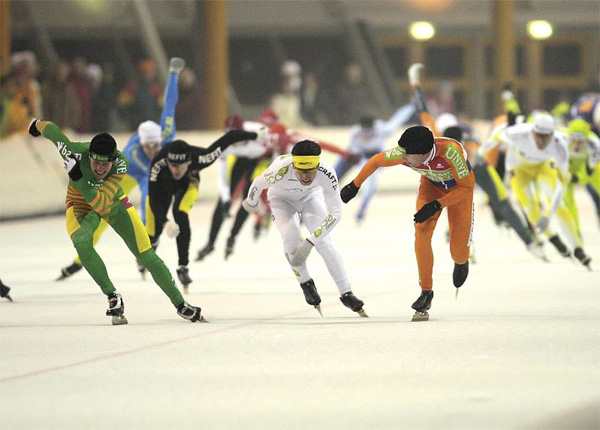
x,y
204,157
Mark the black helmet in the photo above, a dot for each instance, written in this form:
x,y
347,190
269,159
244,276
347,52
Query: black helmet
x,y
178,152
103,148
416,140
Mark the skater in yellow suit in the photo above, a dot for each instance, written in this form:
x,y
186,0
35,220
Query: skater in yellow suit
x,y
537,163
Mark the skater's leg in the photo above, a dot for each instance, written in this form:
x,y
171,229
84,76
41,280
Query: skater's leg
x,y
461,221
313,214
127,223
81,231
286,219
423,235
181,207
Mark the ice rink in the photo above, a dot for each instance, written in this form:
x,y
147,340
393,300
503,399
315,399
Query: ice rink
x,y
518,349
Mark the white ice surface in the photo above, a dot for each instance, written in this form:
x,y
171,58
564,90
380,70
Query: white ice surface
x,y
520,348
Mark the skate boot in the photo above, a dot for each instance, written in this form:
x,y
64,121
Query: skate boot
x,y
582,257
560,246
68,271
184,277
422,305
190,313
204,252
176,65
4,290
459,276
116,309
311,295
537,249
230,247
142,269
354,303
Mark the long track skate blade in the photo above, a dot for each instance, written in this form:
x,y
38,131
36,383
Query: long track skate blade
x,y
456,294
186,289
318,308
61,278
362,313
202,319
9,298
119,320
420,316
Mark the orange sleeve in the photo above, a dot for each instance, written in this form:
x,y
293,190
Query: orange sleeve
x,y
383,159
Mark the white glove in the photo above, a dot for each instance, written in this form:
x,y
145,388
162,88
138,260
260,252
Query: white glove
x,y
69,163
414,74
262,134
298,258
176,65
249,208
171,228
543,224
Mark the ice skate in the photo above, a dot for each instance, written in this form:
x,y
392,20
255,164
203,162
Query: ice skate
x,y
583,258
190,313
460,273
230,247
204,252
69,271
422,305
4,290
176,65
142,269
311,295
354,303
184,277
560,246
257,230
537,250
116,309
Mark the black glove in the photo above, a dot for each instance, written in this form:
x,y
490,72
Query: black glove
x,y
427,211
349,192
574,179
71,165
33,128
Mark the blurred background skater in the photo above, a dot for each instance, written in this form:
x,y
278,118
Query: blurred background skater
x,y
537,162
367,138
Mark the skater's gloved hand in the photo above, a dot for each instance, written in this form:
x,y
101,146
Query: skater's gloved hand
x,y
349,192
33,128
249,208
427,211
71,165
543,224
225,207
298,258
171,228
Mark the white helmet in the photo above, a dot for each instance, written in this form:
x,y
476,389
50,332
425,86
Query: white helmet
x,y
543,123
149,132
444,121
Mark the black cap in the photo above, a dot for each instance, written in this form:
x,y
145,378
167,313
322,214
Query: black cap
x,y
103,148
455,133
179,152
416,140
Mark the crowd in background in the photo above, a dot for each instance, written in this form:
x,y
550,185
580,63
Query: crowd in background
x,y
87,98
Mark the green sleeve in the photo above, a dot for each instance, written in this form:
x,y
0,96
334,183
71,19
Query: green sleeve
x,y
65,147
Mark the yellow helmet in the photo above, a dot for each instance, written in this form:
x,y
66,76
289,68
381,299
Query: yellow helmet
x,y
579,125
